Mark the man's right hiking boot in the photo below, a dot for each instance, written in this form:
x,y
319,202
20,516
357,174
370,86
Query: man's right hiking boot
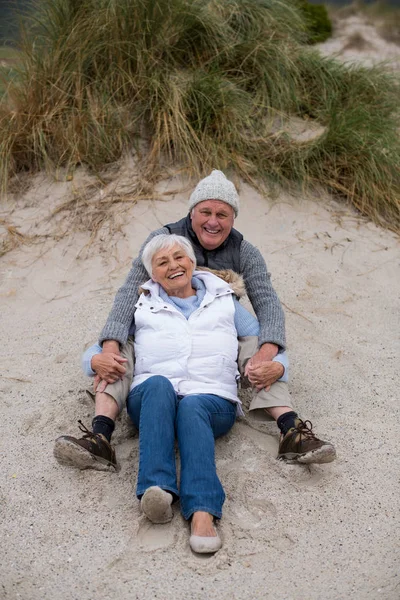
x,y
300,444
91,451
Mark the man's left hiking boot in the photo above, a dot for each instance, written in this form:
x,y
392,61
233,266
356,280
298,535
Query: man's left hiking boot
x,y
91,451
301,445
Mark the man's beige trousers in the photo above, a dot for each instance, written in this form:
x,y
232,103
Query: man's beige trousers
x,y
278,395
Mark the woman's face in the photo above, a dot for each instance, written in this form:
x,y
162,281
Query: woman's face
x,y
173,269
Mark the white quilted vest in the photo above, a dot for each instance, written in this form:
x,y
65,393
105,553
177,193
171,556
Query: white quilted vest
x,y
199,354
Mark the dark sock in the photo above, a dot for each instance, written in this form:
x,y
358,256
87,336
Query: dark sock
x,y
103,425
287,421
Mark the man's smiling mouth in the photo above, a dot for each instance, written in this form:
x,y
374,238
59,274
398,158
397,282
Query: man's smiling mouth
x,y
212,231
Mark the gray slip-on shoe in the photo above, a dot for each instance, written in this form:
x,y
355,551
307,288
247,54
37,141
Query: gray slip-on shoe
x,y
156,505
205,544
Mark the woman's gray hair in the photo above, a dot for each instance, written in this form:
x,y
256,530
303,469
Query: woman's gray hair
x,y
165,241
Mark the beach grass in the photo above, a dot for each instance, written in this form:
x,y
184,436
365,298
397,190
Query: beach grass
x,y
8,53
204,85
9,58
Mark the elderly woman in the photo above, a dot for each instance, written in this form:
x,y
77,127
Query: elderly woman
x,y
185,385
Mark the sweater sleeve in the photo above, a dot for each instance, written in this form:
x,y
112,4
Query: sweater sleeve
x,y
87,359
247,324
283,358
122,313
262,296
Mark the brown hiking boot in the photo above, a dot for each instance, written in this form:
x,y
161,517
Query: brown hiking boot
x,y
301,445
91,451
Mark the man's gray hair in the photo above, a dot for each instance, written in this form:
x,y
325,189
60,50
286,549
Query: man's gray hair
x,y
165,241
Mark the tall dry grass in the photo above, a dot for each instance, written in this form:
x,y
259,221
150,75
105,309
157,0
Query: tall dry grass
x,y
204,84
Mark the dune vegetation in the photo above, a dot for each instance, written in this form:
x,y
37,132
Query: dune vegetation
x,y
200,84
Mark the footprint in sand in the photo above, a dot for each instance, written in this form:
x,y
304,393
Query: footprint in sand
x,y
255,515
258,433
250,509
155,537
301,476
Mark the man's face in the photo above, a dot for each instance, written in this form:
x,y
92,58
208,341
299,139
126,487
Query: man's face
x,y
212,221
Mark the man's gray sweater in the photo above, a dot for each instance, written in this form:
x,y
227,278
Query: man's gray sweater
x,y
259,289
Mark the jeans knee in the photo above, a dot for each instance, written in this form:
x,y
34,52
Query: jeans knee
x,y
190,406
154,388
158,382
158,392
155,394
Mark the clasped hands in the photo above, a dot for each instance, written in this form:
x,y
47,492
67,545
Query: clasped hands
x,y
109,366
261,370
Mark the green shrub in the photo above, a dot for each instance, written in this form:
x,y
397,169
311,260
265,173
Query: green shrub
x,y
318,23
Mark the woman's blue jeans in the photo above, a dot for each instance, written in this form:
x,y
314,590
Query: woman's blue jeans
x,y
196,420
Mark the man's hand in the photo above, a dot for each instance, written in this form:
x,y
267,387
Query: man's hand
x,y
110,347
263,375
108,366
266,353
261,371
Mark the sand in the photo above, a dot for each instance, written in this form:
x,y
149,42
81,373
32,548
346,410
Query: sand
x,y
290,532
357,40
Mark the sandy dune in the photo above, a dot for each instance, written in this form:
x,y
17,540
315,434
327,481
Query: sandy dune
x,y
357,40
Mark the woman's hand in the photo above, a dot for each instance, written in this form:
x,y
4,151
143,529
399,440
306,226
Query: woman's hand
x,y
108,366
263,375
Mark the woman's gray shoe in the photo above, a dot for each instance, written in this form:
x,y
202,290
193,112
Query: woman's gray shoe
x,y
205,545
156,505
91,451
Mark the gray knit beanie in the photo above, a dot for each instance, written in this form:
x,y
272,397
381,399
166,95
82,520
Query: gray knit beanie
x,y
215,187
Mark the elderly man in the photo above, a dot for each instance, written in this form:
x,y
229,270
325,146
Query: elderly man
x,y
213,206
